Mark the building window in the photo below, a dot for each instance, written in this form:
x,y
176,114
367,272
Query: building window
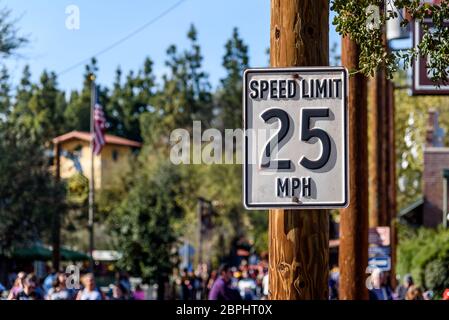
x,y
114,155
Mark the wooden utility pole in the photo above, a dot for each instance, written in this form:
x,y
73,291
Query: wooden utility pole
x,y
353,251
56,225
378,199
382,171
378,151
90,222
299,239
391,178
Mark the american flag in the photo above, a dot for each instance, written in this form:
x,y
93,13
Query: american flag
x,y
99,129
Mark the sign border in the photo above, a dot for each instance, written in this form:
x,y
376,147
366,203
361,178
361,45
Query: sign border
x,y
345,202
419,89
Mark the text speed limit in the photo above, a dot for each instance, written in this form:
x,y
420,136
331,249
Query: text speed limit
x,y
295,122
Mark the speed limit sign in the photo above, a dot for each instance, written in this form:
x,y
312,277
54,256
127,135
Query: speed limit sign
x,y
296,138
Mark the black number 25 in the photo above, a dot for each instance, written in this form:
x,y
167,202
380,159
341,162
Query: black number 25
x,y
306,135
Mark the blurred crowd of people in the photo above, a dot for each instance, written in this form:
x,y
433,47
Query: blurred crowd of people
x,y
57,286
244,282
379,288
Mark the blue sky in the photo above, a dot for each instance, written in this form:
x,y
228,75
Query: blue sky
x,y
102,22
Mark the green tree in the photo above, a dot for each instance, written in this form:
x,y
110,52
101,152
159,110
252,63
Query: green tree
x,y
353,17
10,39
77,113
222,184
24,91
185,95
143,223
40,107
425,254
29,194
74,222
229,95
5,93
130,100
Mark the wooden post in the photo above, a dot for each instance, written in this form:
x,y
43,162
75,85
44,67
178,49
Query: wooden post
x,y
378,133
382,172
91,220
378,197
56,225
353,251
299,239
392,206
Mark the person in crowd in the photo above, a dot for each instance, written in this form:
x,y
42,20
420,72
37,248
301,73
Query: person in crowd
x,y
59,289
379,289
118,292
204,276
90,291
197,284
2,290
17,286
257,277
334,278
428,295
186,285
402,289
446,294
247,287
39,288
29,291
191,277
139,294
49,280
235,276
222,289
265,287
210,282
414,293
122,278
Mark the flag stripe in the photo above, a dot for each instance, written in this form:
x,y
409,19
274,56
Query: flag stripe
x,y
99,129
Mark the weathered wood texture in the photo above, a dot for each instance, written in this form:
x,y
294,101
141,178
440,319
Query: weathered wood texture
x,y
299,239
391,179
382,153
378,131
353,251
299,34
378,146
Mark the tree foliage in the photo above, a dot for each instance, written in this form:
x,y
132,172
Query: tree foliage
x,y
129,100
29,194
425,254
77,113
10,39
143,222
228,97
359,20
411,114
39,108
185,96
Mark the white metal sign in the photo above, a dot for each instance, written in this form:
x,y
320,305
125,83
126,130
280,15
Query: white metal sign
x,y
296,138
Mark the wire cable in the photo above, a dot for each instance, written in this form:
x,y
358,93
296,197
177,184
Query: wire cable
x,y
125,38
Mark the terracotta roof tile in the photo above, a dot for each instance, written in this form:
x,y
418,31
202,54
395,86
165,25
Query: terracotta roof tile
x,y
85,136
